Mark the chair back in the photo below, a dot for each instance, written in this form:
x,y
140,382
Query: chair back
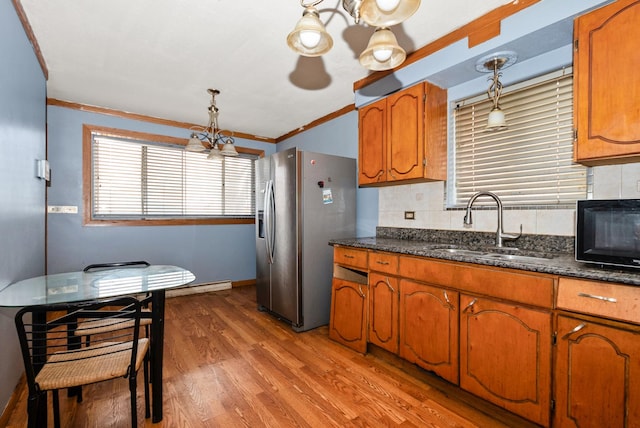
x,y
113,265
46,335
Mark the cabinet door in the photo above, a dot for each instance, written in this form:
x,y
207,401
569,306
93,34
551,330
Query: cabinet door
x,y
372,155
606,84
383,311
429,328
405,133
435,132
348,320
505,356
597,375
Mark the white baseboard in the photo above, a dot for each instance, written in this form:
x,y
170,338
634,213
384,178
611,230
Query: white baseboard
x,y
198,288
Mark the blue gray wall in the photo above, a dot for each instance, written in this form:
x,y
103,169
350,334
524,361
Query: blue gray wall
x,y
340,137
22,195
211,252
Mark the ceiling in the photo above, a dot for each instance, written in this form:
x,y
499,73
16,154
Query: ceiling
x,y
158,57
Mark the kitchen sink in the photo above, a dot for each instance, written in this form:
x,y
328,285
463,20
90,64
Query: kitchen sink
x,y
504,253
516,257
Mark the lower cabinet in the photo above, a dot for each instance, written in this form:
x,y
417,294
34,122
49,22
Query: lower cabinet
x,y
597,375
429,328
348,320
505,356
383,311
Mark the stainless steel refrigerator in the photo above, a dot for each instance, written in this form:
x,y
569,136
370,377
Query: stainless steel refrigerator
x,y
303,200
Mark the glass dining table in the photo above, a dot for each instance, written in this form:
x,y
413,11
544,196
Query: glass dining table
x,y
72,287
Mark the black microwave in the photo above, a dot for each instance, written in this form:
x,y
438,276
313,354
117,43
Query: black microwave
x,y
608,232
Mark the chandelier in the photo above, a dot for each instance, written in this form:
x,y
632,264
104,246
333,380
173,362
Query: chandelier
x,y
309,37
493,63
210,137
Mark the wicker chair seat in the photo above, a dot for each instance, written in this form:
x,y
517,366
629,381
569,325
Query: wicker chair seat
x,y
89,365
105,325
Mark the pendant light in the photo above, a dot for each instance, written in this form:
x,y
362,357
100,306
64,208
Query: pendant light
x,y
210,137
309,37
496,120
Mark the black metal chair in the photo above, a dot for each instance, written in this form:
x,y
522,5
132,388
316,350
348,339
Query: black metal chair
x,y
89,326
53,361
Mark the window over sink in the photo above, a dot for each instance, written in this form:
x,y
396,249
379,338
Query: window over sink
x,y
531,163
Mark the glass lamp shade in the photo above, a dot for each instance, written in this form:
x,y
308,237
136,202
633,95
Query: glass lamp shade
x,y
214,153
496,120
194,145
382,52
228,149
382,13
309,37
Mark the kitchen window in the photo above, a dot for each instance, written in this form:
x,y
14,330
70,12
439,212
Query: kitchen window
x,y
531,163
144,179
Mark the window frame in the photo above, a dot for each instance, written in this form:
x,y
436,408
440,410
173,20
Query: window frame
x,y
87,188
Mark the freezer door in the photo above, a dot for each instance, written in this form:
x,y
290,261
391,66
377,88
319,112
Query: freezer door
x,y
285,290
263,267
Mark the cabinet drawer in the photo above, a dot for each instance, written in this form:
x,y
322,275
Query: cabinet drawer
x,y
600,298
517,286
383,262
350,257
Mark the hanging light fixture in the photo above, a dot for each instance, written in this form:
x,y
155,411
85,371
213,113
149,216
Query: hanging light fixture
x,y
309,37
211,137
493,63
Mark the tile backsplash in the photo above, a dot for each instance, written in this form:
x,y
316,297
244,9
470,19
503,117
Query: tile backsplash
x,y
427,201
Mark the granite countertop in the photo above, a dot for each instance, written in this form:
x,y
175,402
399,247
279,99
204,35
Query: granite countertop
x,y
544,254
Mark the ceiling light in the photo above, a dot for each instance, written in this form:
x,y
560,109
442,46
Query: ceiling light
x,y
382,52
492,63
309,37
211,137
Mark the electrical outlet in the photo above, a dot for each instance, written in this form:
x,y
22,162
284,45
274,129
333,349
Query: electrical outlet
x,y
62,209
409,215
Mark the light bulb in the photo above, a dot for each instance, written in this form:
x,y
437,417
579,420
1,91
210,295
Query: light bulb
x,y
387,5
309,39
382,55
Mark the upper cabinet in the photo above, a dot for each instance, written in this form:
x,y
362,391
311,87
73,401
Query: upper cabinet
x,y
606,84
403,138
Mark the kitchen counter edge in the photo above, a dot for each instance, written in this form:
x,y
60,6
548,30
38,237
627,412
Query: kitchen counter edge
x,y
562,264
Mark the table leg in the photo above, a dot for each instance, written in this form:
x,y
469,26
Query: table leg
x,y
157,345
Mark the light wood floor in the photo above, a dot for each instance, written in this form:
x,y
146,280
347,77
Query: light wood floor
x,y
229,365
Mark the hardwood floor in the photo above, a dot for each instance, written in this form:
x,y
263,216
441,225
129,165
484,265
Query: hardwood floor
x,y
229,365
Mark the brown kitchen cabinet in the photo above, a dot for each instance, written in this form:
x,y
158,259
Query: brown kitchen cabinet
x,y
429,328
403,137
383,311
383,300
606,85
505,355
348,319
597,362
597,375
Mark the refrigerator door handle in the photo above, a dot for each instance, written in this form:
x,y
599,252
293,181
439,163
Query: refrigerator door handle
x,y
268,214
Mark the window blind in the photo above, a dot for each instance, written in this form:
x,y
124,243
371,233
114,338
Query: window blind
x,y
531,163
141,180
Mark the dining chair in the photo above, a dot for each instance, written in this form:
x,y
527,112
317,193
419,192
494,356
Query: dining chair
x,y
53,362
89,326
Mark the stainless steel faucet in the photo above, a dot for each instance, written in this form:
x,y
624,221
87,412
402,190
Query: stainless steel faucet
x,y
500,235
